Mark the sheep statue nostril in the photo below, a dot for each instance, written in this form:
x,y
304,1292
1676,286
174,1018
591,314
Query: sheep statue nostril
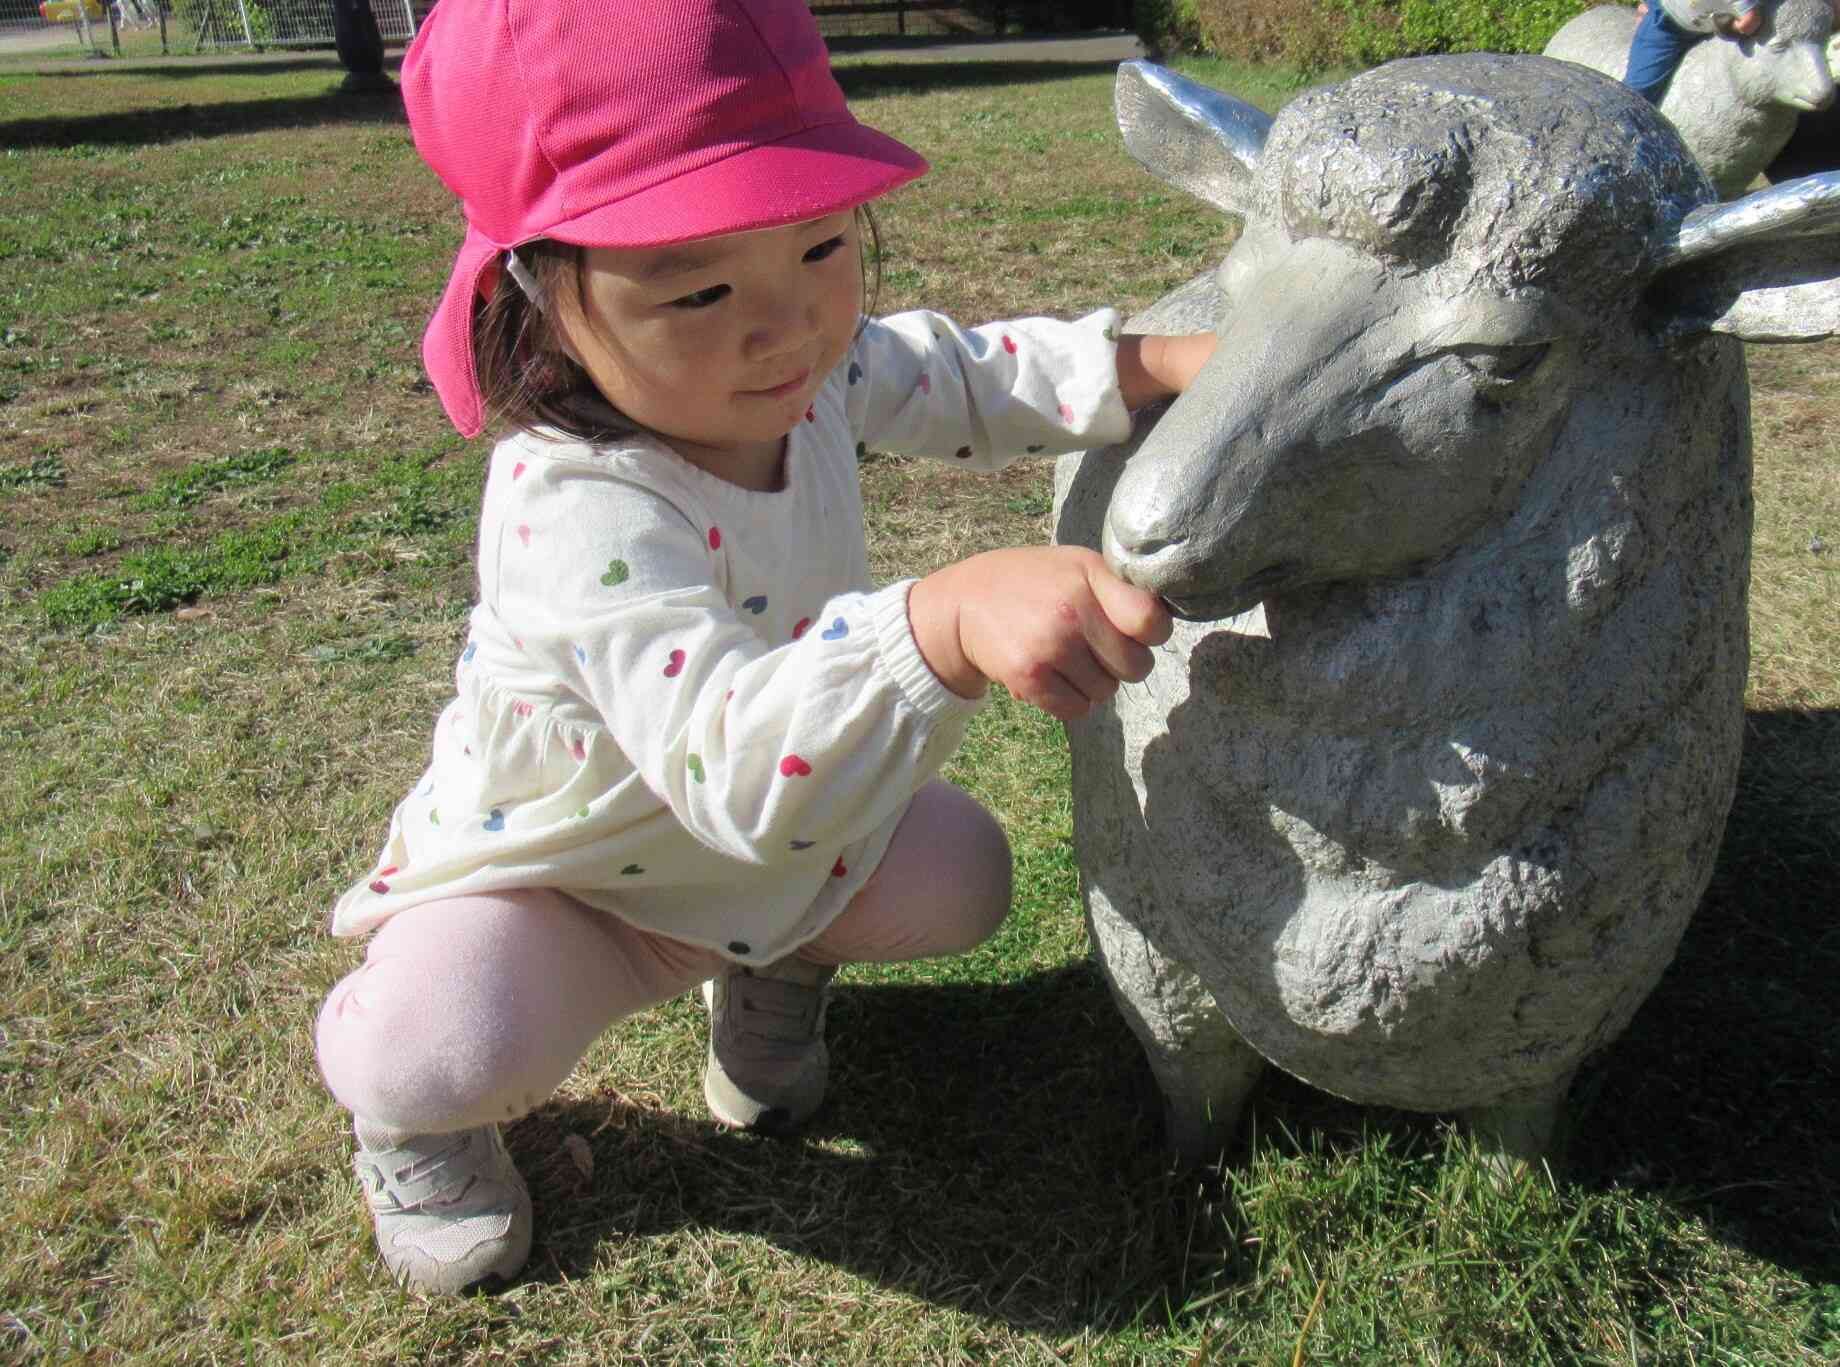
x,y
1428,834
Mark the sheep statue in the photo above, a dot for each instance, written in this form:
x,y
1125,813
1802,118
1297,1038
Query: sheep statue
x,y
1734,100
1456,523
1815,144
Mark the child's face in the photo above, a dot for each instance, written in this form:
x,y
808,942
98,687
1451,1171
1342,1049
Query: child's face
x,y
719,345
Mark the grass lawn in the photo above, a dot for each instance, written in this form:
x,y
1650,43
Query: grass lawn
x,y
235,562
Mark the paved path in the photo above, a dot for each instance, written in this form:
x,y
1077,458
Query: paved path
x,y
17,40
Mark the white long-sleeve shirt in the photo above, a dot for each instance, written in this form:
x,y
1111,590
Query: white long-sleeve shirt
x,y
680,701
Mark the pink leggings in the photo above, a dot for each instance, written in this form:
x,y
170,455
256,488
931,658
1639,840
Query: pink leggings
x,y
475,1009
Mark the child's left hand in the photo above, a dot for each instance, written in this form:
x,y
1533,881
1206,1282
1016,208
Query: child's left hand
x,y
1155,366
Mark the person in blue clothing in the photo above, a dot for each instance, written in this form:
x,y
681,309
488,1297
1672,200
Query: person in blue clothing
x,y
1666,30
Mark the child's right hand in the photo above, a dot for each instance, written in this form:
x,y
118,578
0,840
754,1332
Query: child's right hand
x,y
1049,623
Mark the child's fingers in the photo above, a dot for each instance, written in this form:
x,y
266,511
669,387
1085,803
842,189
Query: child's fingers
x,y
1069,692
1137,613
1119,656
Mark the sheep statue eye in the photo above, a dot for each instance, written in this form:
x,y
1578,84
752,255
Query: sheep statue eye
x,y
1501,364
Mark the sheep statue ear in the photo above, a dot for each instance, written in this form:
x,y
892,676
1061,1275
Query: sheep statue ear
x,y
1765,267
1195,139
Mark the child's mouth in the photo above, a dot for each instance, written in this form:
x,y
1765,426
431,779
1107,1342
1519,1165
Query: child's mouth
x,y
782,391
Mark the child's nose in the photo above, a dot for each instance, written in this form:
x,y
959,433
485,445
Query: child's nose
x,y
785,323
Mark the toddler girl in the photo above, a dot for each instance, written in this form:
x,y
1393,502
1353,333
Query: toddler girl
x,y
689,744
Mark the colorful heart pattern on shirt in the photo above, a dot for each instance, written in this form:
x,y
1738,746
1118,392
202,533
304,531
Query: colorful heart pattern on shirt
x,y
378,885
618,572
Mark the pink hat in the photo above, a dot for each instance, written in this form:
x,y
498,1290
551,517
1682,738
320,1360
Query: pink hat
x,y
625,125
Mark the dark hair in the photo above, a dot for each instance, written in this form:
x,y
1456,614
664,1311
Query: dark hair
x,y
526,378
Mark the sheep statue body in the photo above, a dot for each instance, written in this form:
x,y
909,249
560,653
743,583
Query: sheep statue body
x,y
1735,101
1420,796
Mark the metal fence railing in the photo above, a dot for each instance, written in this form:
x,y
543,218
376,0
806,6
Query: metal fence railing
x,y
286,23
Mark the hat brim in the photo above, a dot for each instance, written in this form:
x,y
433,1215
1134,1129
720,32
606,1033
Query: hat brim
x,y
812,174
447,345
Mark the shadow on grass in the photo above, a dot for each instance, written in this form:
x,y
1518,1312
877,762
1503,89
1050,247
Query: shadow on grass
x,y
917,78
191,69
997,1149
991,1148
149,127
174,123
1724,1094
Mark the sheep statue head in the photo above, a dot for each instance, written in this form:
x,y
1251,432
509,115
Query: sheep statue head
x,y
1426,786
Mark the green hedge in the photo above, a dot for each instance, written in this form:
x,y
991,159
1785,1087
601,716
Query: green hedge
x,y
1313,35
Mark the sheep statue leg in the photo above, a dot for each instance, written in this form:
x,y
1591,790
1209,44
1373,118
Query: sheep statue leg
x,y
1518,1132
1204,1070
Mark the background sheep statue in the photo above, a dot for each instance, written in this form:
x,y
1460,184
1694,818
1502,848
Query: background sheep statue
x,y
1735,101
1815,144
1423,791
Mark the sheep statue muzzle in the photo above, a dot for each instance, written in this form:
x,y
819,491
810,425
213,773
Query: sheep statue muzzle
x,y
1424,789
1735,100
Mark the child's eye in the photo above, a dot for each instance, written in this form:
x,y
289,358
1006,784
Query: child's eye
x,y
702,299
825,248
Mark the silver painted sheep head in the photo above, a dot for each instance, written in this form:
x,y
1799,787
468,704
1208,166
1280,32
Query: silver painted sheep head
x,y
1437,256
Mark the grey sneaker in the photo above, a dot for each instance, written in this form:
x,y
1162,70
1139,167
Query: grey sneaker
x,y
767,1059
450,1209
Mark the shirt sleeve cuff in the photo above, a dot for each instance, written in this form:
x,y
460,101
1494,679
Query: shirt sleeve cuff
x,y
900,656
1110,421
